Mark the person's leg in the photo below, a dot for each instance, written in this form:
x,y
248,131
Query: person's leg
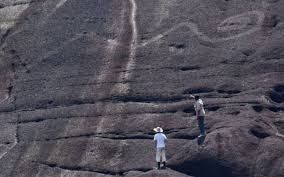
x,y
201,125
158,157
164,165
164,157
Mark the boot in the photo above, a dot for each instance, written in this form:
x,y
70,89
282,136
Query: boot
x,y
159,165
164,165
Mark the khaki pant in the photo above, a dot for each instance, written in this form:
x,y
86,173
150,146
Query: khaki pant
x,y
161,154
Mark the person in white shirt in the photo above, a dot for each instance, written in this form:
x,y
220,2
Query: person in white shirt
x,y
200,114
160,139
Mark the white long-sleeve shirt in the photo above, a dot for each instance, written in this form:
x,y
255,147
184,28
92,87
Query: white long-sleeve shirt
x,y
160,138
199,109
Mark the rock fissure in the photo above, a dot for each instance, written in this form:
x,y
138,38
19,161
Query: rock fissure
x,y
102,136
91,169
42,119
76,168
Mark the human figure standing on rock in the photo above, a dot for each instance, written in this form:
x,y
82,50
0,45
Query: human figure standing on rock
x,y
200,114
160,139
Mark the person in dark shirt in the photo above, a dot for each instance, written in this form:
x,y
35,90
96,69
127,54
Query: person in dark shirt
x,y
200,114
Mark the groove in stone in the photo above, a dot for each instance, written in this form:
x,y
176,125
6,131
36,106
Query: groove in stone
x,y
102,136
88,169
198,90
75,168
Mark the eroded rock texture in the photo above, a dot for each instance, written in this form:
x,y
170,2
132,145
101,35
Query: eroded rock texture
x,y
83,82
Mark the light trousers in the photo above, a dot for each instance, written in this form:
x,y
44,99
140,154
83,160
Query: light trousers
x,y
161,154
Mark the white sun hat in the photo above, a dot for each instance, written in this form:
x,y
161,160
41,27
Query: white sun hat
x,y
158,129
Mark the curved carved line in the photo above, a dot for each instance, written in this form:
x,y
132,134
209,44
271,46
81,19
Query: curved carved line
x,y
193,28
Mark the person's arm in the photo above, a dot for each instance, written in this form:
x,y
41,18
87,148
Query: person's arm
x,y
165,138
155,140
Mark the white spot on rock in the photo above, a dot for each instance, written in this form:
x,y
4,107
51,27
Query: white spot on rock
x,y
61,3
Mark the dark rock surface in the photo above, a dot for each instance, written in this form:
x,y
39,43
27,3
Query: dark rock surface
x,y
84,82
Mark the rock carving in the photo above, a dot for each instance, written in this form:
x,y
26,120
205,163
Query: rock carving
x,y
250,21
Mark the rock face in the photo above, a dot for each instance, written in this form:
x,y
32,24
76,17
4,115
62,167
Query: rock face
x,y
84,82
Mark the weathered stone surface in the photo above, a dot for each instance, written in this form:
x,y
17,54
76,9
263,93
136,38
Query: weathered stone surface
x,y
84,82
156,173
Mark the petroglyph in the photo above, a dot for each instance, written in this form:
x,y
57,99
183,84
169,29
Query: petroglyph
x,y
61,3
239,21
10,15
279,135
8,136
250,22
233,23
8,148
4,99
276,131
